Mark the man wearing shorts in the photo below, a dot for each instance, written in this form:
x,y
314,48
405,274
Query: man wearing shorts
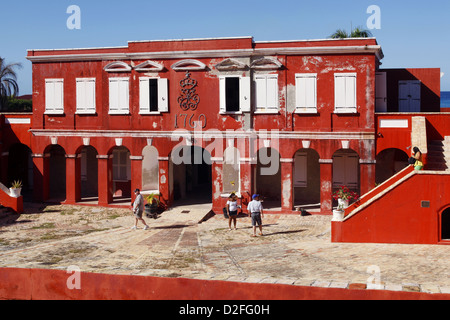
x,y
255,209
138,209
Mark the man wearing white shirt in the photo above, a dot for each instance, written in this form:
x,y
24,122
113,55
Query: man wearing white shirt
x,y
255,209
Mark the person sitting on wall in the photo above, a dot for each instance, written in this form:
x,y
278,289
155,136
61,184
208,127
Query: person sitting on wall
x,y
417,154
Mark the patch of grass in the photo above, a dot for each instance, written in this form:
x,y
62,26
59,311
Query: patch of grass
x,y
47,225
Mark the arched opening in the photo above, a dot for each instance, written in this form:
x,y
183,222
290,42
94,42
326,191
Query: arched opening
x,y
89,173
121,174
346,170
231,170
306,178
20,167
445,225
191,175
268,177
57,173
150,169
389,162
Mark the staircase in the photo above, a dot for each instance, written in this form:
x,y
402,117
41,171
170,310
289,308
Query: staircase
x,y
438,157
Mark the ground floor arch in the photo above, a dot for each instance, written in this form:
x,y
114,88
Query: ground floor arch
x,y
190,172
445,225
121,172
57,173
306,178
268,177
88,173
20,166
389,162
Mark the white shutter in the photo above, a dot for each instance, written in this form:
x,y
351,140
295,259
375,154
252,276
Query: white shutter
x,y
49,96
261,92
113,95
306,92
124,96
85,95
272,92
54,96
339,92
350,92
345,92
163,95
144,95
245,89
222,94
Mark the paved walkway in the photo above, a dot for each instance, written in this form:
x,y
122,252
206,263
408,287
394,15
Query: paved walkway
x,y
294,249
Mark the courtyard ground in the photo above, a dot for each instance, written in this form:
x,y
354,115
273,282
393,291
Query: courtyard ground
x,y
294,250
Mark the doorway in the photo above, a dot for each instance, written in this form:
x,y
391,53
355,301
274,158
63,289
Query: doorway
x,y
191,175
445,225
409,95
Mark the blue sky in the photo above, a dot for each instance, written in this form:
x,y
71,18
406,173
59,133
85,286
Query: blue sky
x,y
413,33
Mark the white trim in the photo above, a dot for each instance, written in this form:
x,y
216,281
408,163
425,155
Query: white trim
x,y
370,49
180,65
266,64
209,134
230,64
155,66
123,67
18,121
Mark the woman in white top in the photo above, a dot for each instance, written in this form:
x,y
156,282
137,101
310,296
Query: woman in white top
x,y
232,209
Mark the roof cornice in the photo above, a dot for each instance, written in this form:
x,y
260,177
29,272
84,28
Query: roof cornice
x,y
68,57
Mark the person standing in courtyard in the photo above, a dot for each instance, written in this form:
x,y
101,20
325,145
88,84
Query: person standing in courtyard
x,y
255,209
232,209
138,209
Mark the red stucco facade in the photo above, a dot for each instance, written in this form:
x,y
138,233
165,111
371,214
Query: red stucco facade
x,y
319,132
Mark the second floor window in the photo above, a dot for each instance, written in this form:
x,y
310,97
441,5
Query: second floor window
x,y
266,92
119,96
345,92
86,95
306,93
54,96
153,95
234,94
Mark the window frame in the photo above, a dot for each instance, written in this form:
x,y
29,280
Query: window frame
x,y
120,110
263,107
346,96
299,91
87,109
50,92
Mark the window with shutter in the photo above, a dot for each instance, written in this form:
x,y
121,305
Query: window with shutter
x,y
54,96
345,93
86,95
234,94
306,93
266,92
153,95
119,96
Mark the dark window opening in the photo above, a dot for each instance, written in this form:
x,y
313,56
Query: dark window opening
x,y
153,94
445,224
232,94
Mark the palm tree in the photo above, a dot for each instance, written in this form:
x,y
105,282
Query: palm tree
x,y
357,32
8,81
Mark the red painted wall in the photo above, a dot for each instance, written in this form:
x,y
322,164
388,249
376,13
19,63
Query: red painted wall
x,y
39,284
398,216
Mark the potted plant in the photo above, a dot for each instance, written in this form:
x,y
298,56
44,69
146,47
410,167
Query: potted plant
x,y
343,195
151,208
339,213
16,188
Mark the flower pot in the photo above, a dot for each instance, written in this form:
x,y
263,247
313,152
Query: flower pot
x,y
342,203
338,215
15,192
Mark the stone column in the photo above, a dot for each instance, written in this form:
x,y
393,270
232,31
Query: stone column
x,y
326,186
105,178
287,184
